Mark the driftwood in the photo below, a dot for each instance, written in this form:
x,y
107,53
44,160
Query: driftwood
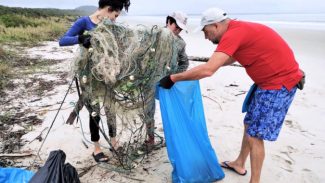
x,y
198,59
16,155
205,59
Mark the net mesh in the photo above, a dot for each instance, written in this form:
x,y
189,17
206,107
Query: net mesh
x,y
120,72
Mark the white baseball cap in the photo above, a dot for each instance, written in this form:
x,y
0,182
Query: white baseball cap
x,y
210,16
181,19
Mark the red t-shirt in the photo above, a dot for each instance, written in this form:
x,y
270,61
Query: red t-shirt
x,y
267,58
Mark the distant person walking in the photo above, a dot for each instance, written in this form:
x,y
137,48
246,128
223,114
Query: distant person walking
x,y
110,9
268,61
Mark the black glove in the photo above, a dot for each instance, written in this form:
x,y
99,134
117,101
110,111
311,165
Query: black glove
x,y
166,82
84,40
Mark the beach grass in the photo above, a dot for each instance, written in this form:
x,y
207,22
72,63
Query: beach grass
x,y
5,71
31,30
24,30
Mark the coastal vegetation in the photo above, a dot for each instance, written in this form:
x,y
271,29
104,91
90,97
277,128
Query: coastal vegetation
x,y
27,27
32,25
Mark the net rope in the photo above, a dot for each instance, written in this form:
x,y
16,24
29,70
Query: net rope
x,y
120,73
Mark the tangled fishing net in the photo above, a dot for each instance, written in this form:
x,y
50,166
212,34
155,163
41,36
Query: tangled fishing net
x,y
120,72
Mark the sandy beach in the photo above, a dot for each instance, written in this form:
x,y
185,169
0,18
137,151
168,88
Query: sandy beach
x,y
297,156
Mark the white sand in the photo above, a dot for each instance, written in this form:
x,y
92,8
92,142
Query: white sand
x,y
297,156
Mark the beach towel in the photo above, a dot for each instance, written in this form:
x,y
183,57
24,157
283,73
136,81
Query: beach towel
x,y
189,149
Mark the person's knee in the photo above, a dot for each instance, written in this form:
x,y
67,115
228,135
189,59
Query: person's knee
x,y
254,141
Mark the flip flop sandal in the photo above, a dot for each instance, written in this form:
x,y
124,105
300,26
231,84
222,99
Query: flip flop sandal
x,y
226,166
100,157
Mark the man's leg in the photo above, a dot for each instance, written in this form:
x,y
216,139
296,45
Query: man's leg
x,y
257,154
244,152
263,124
239,163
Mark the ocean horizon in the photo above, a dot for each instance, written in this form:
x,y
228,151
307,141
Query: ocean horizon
x,y
281,17
291,20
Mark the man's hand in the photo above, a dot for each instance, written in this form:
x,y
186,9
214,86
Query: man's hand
x,y
166,82
84,40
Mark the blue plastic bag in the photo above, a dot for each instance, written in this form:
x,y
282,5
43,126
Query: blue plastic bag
x,y
15,175
188,145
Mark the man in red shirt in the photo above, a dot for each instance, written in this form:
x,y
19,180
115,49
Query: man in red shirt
x,y
268,61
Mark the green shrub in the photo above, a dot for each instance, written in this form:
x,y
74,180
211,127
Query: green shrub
x,y
5,70
40,12
36,30
18,21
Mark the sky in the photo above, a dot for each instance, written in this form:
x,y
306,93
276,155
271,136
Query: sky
x,y
162,7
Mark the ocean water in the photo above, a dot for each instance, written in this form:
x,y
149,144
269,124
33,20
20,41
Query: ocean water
x,y
303,21
310,18
287,24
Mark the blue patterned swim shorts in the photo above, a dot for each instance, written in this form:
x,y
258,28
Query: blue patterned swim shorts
x,y
266,112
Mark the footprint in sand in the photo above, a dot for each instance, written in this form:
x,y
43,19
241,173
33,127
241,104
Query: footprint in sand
x,y
295,126
309,176
286,163
291,124
290,150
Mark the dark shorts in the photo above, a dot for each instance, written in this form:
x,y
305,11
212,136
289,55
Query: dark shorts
x,y
266,112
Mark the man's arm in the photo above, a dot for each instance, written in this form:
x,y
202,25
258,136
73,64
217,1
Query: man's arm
x,y
217,60
229,61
